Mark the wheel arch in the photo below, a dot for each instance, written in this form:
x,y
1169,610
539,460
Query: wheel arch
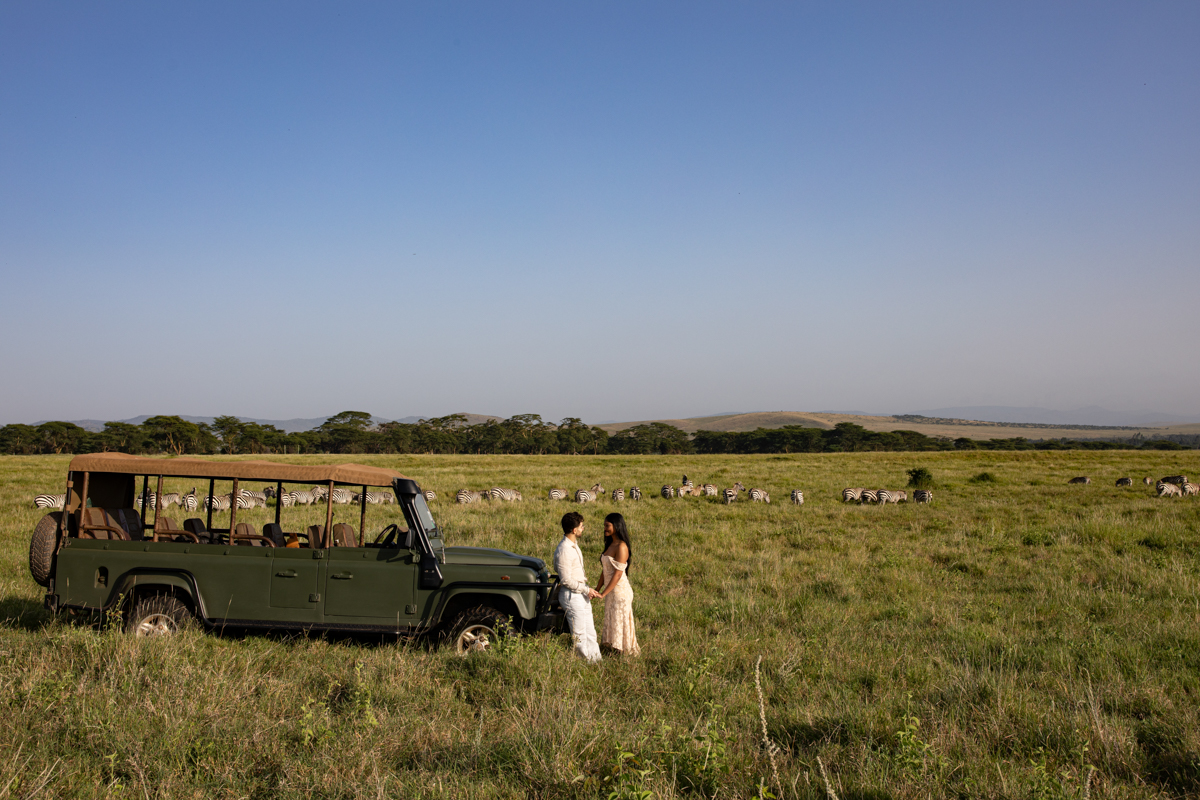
x,y
138,584
465,599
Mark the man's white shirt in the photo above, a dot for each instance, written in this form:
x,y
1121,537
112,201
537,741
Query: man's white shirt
x,y
568,563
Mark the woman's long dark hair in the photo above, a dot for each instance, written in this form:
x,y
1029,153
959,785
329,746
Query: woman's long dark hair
x,y
620,531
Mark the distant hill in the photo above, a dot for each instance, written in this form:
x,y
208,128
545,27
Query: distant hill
x,y
1091,415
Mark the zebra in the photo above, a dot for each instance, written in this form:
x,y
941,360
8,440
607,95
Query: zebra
x,y
430,496
759,496
729,495
709,490
263,496
1080,479
1191,489
216,503
373,498
1148,481
589,495
507,495
302,497
635,493
287,499
888,496
1124,481
1178,480
318,493
854,494
667,492
188,502
797,497
687,491
688,484
1168,490
151,500
50,501
618,495
870,496
558,494
467,496
923,495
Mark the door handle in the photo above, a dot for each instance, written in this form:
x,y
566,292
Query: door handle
x,y
287,573
342,576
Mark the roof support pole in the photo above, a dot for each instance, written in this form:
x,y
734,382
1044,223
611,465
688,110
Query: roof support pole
x,y
233,498
157,503
329,515
362,517
83,501
145,498
278,500
211,486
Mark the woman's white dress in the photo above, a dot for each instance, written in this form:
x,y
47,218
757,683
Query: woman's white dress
x,y
618,631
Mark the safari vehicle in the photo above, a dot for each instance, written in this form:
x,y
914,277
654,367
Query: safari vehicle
x,y
101,553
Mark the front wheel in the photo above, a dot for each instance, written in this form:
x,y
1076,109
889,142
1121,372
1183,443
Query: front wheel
x,y
42,546
158,615
478,629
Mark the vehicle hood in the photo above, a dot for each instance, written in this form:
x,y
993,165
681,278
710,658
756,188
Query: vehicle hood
x,y
492,557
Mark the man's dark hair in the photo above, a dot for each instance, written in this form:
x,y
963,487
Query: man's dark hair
x,y
571,520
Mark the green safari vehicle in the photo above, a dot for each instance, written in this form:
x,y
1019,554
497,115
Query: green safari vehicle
x,y
115,548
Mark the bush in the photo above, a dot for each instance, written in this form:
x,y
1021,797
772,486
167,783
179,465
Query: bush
x,y
920,478
983,477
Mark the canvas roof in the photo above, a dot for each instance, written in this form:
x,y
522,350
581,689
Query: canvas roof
x,y
348,474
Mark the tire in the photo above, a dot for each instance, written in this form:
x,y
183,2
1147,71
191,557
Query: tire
x,y
42,546
158,615
478,629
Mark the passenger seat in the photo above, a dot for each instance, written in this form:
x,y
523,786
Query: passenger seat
x,y
274,532
344,535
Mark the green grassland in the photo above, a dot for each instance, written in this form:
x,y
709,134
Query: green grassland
x,y
1020,638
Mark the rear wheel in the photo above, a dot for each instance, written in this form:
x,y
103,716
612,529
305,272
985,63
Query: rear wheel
x,y
41,548
158,615
478,629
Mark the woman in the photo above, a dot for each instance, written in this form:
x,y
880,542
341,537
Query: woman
x,y
618,632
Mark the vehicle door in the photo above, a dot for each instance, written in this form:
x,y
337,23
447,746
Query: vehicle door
x,y
297,575
372,586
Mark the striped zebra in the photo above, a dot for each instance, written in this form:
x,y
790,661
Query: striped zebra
x,y
687,491
189,502
667,492
854,494
302,497
1080,479
150,499
635,493
618,495
319,493
869,496
923,495
430,496
465,496
373,498
889,496
1191,489
1168,490
709,490
797,497
287,499
690,486
1124,481
589,495
216,503
729,495
507,495
50,501
1147,480
558,494
759,496
1178,480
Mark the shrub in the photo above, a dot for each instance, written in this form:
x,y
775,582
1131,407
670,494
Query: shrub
x,y
983,477
920,478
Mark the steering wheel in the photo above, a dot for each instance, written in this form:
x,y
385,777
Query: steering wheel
x,y
388,536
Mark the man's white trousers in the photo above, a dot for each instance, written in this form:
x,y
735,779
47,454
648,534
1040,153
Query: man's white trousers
x,y
583,628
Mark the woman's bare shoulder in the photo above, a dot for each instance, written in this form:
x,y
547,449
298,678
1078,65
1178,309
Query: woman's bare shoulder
x,y
622,551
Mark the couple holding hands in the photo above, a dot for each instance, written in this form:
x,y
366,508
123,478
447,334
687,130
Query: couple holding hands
x,y
575,593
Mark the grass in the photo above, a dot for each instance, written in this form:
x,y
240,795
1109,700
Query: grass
x,y
1019,638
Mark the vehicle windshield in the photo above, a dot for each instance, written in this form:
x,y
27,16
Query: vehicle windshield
x,y
426,517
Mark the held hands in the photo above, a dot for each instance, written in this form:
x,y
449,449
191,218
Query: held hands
x,y
592,593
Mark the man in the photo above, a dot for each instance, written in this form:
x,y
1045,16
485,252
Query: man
x,y
574,593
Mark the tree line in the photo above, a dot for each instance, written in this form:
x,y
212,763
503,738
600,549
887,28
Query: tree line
x,y
522,434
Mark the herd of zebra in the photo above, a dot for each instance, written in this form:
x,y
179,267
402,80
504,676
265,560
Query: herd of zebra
x,y
1170,486
687,488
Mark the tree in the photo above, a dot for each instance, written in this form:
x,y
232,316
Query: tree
x,y
61,437
228,430
176,435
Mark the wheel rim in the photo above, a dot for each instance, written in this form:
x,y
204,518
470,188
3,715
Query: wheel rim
x,y
156,625
475,639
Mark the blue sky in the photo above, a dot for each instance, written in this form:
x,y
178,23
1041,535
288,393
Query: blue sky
x,y
599,210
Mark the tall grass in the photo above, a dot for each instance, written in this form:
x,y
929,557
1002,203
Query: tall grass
x,y
1017,638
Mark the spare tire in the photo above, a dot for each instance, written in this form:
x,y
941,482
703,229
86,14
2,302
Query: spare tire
x,y
42,547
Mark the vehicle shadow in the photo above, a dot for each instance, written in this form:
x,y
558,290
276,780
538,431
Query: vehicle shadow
x,y
22,613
